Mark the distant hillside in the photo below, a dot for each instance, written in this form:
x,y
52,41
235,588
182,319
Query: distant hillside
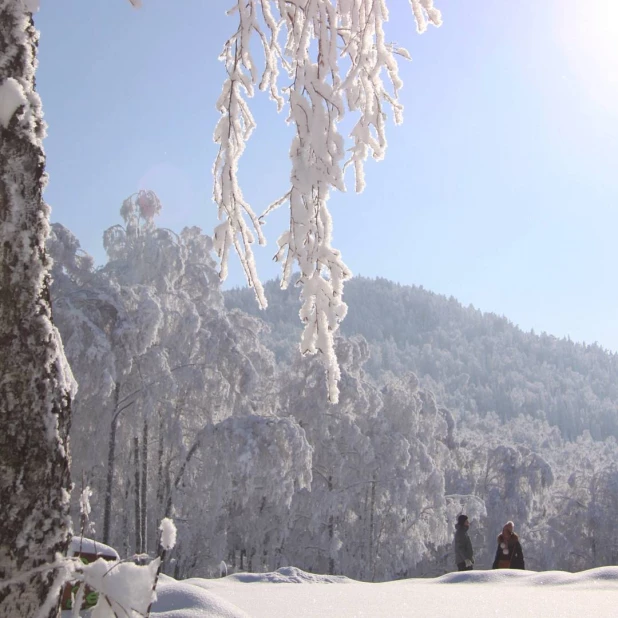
x,y
473,361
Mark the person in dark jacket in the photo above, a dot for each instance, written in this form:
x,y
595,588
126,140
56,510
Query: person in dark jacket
x,y
464,554
509,554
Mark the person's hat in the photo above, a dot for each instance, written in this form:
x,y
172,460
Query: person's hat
x,y
462,519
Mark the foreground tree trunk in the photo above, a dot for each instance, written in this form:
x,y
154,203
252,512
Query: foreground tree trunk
x,y
35,381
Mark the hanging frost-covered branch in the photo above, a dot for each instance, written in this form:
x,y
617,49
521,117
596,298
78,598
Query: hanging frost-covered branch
x,y
232,132
321,38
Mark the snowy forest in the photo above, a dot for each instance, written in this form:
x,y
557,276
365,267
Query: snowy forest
x,y
196,405
195,430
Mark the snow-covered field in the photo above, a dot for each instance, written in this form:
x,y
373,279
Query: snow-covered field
x,y
291,593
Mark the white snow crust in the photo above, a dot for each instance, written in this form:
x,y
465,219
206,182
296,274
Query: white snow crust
x,y
473,594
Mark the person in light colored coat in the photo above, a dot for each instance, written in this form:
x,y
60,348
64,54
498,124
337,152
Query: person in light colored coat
x,y
509,554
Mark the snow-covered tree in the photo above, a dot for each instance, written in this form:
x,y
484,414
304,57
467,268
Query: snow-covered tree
x,y
36,384
158,358
237,494
409,518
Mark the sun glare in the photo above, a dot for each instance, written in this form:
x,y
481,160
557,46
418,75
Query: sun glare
x,y
589,34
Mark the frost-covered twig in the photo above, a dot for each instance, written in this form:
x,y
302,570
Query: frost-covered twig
x,y
167,540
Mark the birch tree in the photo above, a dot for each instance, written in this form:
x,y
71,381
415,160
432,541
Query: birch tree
x,y
36,384
334,55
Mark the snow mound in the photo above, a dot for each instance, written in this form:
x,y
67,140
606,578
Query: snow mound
x,y
600,575
480,577
289,575
184,600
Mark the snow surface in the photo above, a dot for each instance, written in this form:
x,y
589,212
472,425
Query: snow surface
x,y
290,592
474,594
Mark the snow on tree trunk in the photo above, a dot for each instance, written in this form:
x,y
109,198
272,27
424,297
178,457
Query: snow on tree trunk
x,y
36,384
322,37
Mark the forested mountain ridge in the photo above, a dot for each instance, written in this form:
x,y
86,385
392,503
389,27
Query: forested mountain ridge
x,y
473,361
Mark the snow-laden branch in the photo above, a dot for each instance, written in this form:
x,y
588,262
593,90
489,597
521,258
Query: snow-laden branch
x,y
321,38
231,133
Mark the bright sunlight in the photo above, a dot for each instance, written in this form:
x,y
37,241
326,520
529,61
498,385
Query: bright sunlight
x,y
589,32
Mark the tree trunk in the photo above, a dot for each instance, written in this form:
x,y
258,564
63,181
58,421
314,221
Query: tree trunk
x,y
126,536
111,462
250,561
331,535
160,469
138,495
144,489
372,509
35,381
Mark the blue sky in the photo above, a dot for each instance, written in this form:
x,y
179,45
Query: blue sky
x,y
500,188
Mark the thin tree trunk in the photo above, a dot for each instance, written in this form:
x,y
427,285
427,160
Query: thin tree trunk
x,y
144,488
196,443
138,495
250,561
126,537
111,462
331,535
372,509
160,468
35,381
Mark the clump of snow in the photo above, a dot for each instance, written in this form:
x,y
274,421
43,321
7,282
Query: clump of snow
x,y
168,533
125,589
88,546
84,502
12,96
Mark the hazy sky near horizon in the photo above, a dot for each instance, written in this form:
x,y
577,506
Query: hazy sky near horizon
x,y
500,188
